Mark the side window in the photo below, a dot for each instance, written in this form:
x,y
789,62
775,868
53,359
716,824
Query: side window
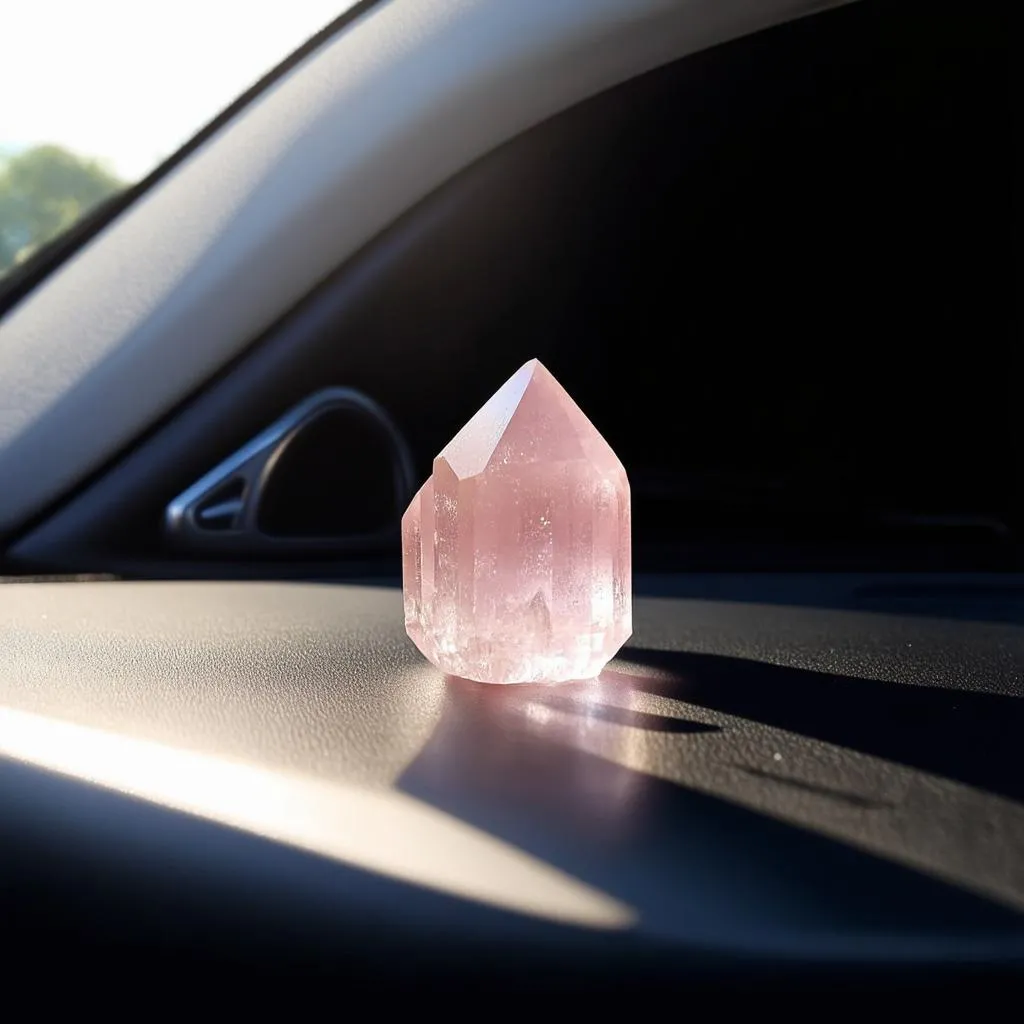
x,y
97,95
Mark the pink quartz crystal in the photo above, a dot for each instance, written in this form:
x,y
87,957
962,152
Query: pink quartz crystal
x,y
516,551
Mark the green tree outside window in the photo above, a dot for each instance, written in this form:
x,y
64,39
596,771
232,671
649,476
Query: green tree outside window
x,y
43,191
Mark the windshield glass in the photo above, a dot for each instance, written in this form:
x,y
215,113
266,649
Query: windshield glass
x,y
94,95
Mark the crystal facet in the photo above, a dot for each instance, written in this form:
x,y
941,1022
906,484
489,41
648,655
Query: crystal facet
x,y
516,551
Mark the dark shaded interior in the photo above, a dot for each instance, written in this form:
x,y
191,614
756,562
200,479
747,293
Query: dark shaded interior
x,y
775,274
333,477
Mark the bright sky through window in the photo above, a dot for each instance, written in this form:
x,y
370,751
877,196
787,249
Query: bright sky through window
x,y
128,82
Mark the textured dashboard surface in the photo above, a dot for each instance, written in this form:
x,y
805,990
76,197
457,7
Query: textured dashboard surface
x,y
757,778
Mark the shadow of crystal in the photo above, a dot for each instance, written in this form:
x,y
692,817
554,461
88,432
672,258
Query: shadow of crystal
x,y
578,775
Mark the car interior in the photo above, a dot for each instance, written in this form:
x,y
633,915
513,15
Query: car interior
x,y
768,248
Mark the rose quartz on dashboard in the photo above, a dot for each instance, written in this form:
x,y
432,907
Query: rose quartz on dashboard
x,y
516,551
